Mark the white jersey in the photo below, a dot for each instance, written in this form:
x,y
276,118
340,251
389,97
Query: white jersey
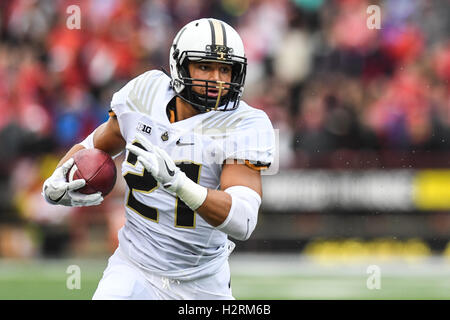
x,y
161,233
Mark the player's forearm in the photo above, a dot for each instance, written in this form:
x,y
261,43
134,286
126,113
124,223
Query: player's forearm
x,y
216,207
108,138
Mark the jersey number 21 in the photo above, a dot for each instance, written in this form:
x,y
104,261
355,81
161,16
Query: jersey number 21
x,y
145,183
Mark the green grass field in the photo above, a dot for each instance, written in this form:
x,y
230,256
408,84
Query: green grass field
x,y
253,277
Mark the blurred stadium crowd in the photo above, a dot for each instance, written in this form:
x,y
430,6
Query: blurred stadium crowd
x,y
327,81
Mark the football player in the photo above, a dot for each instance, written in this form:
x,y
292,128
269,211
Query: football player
x,y
194,155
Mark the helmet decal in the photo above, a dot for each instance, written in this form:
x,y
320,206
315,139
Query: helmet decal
x,y
218,33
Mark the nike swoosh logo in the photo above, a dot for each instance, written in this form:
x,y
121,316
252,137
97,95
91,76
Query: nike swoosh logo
x,y
170,172
57,200
179,143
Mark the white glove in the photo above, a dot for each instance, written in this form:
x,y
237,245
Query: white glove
x,y
156,161
57,190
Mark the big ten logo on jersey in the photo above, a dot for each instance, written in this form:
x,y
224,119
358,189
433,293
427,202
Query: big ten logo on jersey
x,y
145,128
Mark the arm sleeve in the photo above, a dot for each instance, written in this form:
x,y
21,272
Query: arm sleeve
x,y
243,216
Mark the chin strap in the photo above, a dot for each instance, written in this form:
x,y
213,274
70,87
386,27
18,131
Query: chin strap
x,y
165,71
221,83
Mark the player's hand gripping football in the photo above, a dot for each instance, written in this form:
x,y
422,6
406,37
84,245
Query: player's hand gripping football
x,y
57,190
156,161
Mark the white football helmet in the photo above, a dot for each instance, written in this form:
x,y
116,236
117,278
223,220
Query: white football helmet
x,y
208,40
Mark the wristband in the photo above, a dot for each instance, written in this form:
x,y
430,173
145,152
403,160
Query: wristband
x,y
190,192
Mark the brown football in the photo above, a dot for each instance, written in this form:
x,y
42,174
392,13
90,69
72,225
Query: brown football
x,y
97,168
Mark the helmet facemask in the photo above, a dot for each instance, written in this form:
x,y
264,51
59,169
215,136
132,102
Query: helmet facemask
x,y
205,103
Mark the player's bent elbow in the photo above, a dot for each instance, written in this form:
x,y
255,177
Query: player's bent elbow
x,y
246,232
241,227
243,216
